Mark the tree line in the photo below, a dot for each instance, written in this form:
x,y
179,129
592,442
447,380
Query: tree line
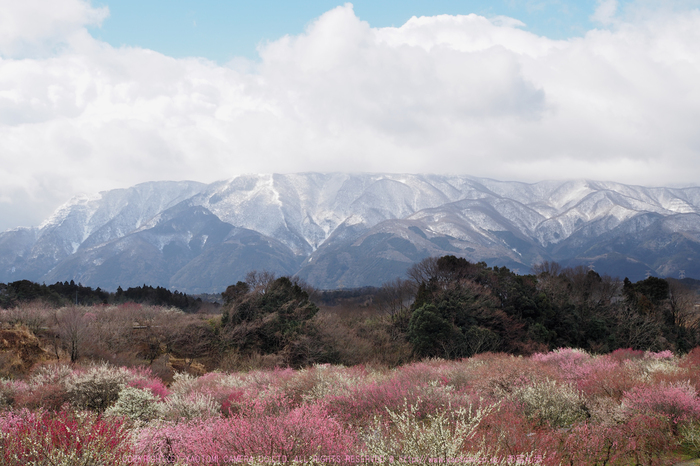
x,y
446,307
451,308
66,293
462,308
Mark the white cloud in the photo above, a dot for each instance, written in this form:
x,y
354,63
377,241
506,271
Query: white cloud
x,y
31,27
457,94
605,12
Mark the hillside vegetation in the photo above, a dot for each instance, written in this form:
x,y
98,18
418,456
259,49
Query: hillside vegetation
x,y
64,293
449,308
459,363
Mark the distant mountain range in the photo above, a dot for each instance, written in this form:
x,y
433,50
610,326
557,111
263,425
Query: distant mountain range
x,y
348,230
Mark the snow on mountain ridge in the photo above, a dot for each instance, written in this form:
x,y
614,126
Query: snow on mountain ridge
x,y
338,229
306,212
303,210
79,201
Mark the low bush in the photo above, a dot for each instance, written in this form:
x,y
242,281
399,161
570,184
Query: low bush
x,y
62,439
179,407
626,354
558,405
690,438
678,402
143,378
441,436
96,388
362,402
302,432
9,390
136,404
567,407
52,373
502,374
605,376
50,396
640,440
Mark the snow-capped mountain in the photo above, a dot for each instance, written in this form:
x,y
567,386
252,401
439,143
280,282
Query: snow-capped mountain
x,y
346,230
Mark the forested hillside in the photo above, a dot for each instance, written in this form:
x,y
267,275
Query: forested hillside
x,y
61,294
448,307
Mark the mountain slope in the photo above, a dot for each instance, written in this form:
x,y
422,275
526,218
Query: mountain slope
x,y
348,230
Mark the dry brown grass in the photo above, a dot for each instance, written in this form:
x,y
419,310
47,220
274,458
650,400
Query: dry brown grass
x,y
362,335
19,351
350,333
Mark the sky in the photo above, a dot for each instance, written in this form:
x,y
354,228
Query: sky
x,y
107,94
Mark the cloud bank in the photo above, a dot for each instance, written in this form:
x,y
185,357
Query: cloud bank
x,y
442,94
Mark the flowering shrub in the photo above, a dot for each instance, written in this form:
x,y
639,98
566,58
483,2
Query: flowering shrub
x,y
562,356
50,396
690,438
9,389
605,376
178,407
374,399
650,369
62,438
51,374
233,402
692,359
666,354
502,374
183,383
156,387
137,404
96,388
443,435
571,365
605,411
563,407
320,381
10,420
301,432
641,440
142,377
626,354
507,431
556,404
221,389
677,402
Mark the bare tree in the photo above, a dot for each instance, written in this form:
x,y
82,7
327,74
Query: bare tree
x,y
480,339
157,330
682,311
637,331
34,315
423,271
551,268
396,296
305,286
192,338
71,325
590,289
259,282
